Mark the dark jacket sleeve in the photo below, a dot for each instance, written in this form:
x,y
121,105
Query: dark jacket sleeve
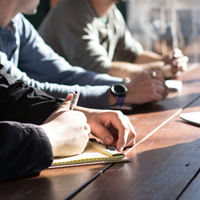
x,y
22,103
24,150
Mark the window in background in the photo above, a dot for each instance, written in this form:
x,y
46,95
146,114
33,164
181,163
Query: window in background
x,y
161,25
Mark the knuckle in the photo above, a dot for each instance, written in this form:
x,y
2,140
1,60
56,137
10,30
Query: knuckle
x,y
152,96
87,128
117,113
126,130
158,97
152,86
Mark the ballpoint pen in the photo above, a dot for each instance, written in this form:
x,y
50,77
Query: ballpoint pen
x,y
74,100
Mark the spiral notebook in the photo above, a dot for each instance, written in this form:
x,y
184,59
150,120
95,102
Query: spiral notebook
x,y
94,153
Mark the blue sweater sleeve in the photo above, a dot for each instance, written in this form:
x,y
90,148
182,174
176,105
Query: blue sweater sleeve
x,y
90,96
41,67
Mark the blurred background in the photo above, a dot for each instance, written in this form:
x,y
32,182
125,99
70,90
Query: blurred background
x,y
159,25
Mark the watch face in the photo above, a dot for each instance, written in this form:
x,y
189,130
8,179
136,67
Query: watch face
x,y
119,90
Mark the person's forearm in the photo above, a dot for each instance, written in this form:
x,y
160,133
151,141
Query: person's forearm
x,y
90,96
124,69
148,56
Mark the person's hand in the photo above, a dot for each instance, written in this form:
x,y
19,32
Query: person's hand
x,y
175,62
145,88
67,130
112,127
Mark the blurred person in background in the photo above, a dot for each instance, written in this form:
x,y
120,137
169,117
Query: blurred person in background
x,y
93,34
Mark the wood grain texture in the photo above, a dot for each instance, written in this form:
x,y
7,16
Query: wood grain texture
x,y
192,191
161,166
52,184
164,160
164,163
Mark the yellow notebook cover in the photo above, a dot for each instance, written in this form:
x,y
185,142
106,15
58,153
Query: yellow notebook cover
x,y
94,153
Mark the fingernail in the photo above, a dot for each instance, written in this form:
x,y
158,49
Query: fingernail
x,y
108,140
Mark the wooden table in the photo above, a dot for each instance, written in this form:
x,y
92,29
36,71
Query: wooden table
x,y
165,161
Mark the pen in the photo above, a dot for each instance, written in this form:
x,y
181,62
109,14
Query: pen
x,y
74,100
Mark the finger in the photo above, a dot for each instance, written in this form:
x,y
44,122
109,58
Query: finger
x,y
69,97
120,123
172,68
87,128
157,82
157,96
165,93
104,134
177,53
175,69
62,108
182,63
180,60
182,66
160,76
183,59
160,89
179,67
118,128
132,134
66,104
157,74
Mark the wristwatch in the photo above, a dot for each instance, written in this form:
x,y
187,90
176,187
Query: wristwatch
x,y
119,91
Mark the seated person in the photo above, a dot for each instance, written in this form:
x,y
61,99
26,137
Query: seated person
x,y
26,56
94,35
35,127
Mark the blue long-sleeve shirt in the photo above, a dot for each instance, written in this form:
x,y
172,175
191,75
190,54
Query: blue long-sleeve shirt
x,y
26,56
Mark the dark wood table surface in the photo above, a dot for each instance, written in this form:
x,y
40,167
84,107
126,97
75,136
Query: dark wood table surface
x,y
165,163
